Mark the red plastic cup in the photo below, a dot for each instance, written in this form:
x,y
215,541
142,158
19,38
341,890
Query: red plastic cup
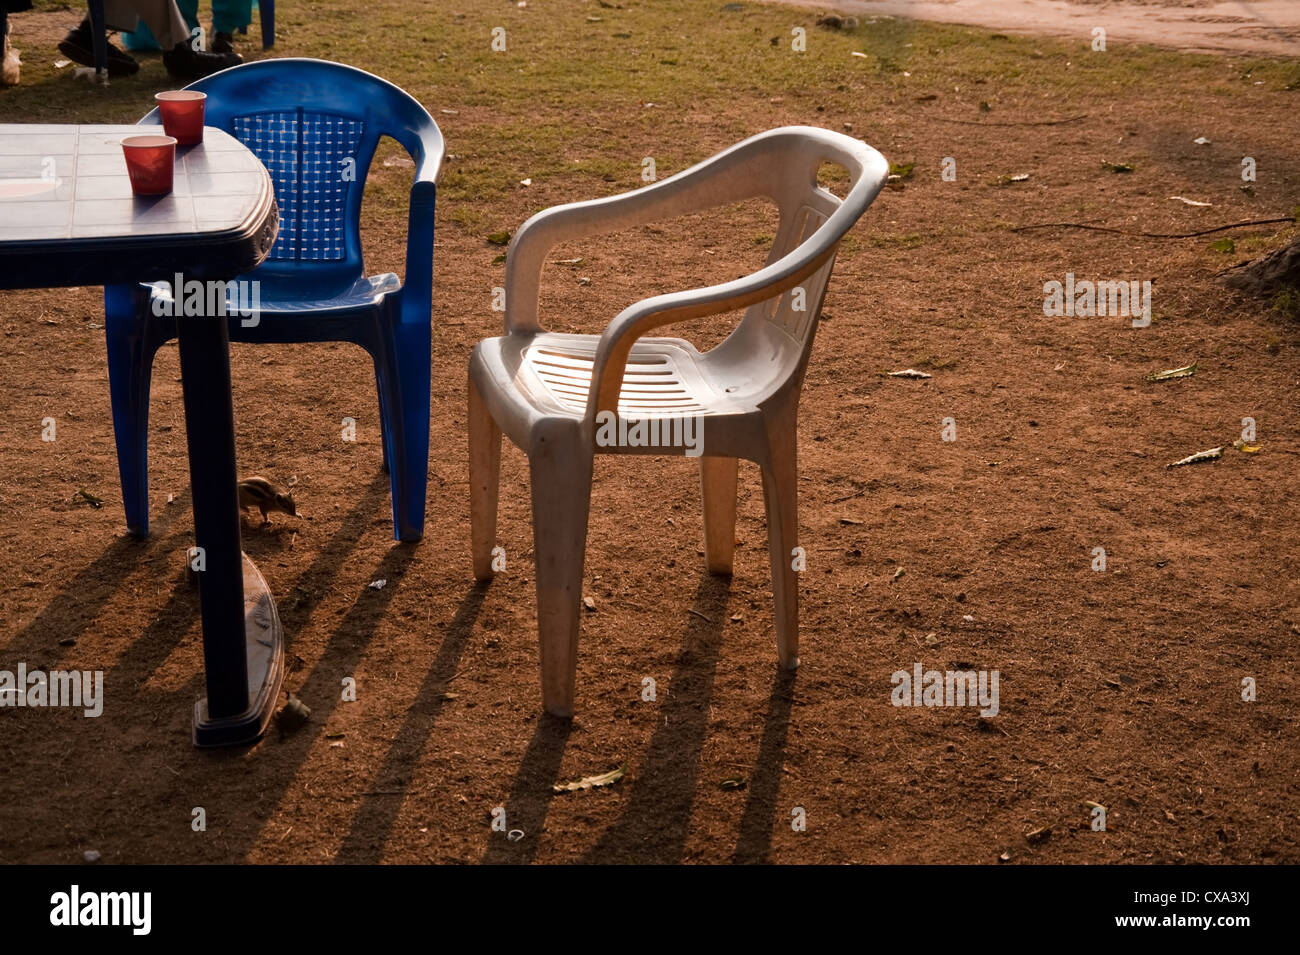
x,y
150,162
182,114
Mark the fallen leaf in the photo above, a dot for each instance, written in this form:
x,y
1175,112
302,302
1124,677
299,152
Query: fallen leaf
x,y
898,573
592,782
1039,834
1211,455
1247,448
909,373
1185,372
732,783
95,502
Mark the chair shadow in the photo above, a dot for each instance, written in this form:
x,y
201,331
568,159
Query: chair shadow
x,y
754,841
297,605
373,822
86,594
530,794
655,824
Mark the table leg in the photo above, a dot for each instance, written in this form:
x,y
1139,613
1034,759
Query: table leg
x,y
242,641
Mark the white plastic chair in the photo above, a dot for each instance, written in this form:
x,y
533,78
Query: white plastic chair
x,y
547,391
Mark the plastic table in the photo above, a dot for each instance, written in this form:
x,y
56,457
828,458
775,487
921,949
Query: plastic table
x,y
67,217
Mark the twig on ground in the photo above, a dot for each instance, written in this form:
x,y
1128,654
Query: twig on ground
x,y
1150,235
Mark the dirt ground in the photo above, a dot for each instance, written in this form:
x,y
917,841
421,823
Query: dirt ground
x,y
1121,688
1239,26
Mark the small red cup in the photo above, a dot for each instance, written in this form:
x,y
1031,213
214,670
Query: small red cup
x,y
182,114
150,162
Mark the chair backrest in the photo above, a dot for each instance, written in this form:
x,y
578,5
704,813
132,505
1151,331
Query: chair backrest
x,y
784,165
314,125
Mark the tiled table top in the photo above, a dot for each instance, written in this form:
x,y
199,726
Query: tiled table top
x,y
70,182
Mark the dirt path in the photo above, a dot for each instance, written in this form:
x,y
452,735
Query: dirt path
x,y
1240,26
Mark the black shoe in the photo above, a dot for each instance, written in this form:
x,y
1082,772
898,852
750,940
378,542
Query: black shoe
x,y
185,63
79,48
223,43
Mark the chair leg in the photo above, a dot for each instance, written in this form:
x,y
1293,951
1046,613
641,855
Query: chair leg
x,y
780,494
718,489
402,370
130,366
484,482
385,465
266,12
561,466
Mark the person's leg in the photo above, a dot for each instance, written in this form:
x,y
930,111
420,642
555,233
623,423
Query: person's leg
x,y
78,45
165,22
227,17
181,57
162,17
9,62
231,15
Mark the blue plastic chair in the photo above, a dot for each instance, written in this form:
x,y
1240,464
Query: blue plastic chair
x,y
304,119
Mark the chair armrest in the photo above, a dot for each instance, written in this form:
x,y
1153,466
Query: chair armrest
x,y
417,290
733,175
636,320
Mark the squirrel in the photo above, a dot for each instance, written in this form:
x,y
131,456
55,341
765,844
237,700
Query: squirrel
x,y
260,493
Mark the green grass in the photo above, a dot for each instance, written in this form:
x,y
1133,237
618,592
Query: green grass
x,y
566,89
